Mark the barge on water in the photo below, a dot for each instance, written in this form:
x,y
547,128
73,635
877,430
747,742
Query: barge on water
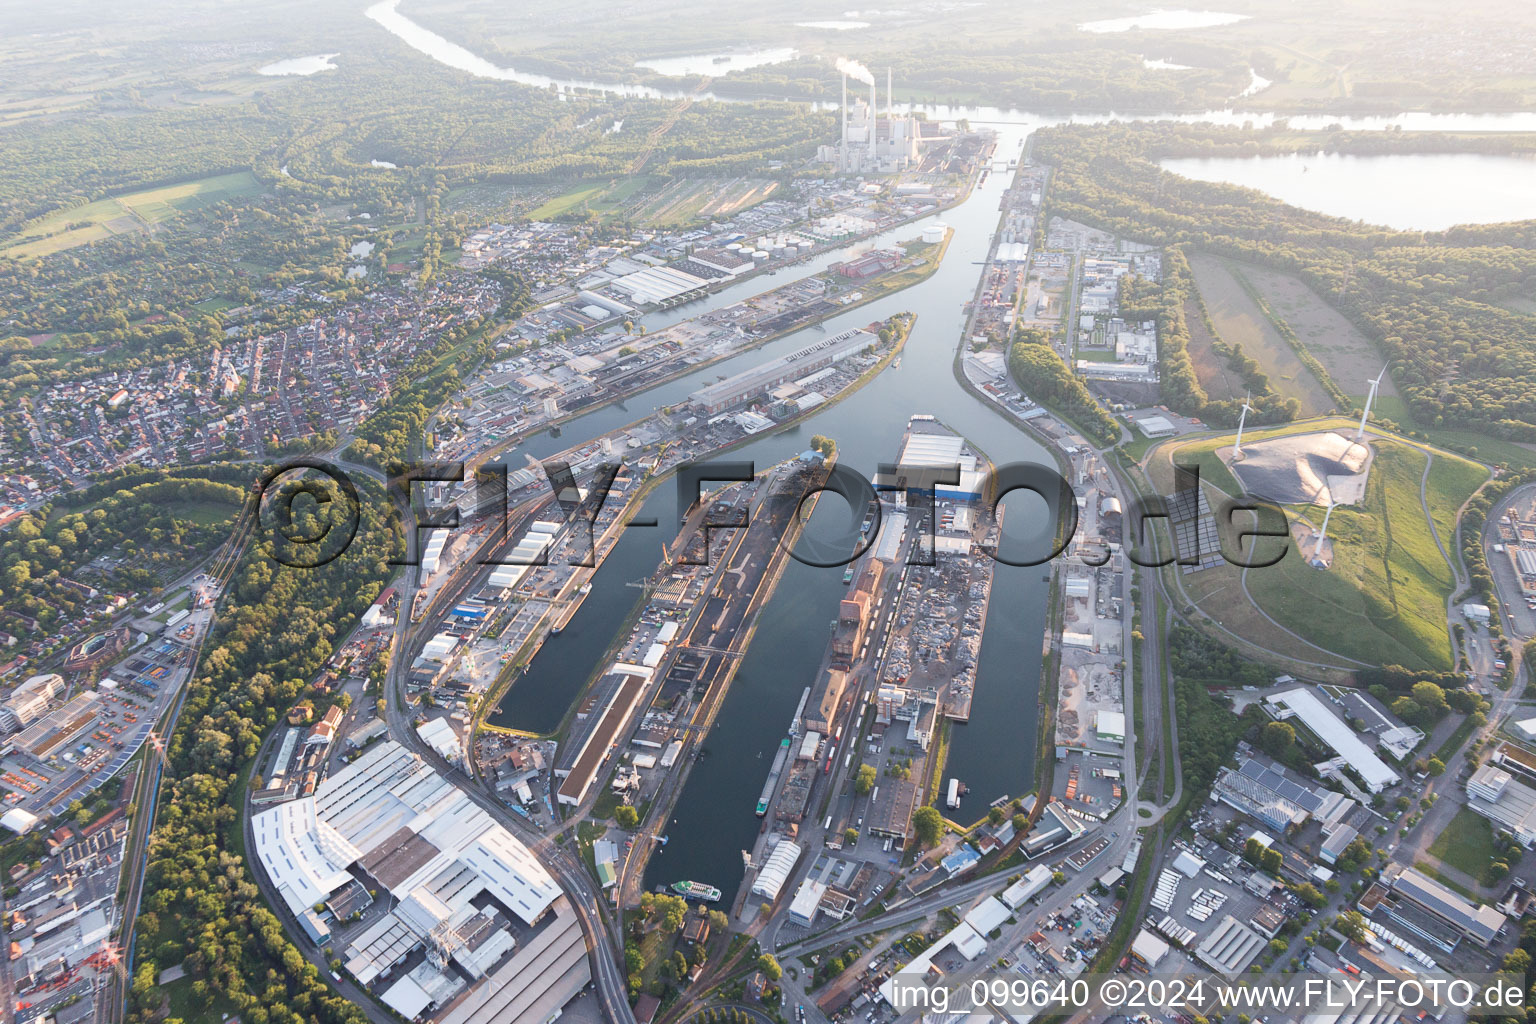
x,y
773,777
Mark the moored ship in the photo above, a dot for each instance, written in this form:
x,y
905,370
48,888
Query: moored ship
x,y
696,891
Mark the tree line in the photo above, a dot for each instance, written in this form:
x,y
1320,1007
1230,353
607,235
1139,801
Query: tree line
x,y
201,907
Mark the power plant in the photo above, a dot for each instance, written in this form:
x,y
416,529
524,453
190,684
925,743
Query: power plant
x,y
869,143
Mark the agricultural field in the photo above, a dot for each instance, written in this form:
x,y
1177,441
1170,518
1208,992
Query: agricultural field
x,y
135,211
1349,357
1239,321
1383,599
655,202
1218,381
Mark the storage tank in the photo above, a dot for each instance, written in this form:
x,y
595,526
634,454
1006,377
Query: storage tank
x,y
933,234
760,255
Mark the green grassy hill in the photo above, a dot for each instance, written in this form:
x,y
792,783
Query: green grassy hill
x,y
1383,599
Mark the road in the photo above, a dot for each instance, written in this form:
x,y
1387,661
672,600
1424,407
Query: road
x,y
598,930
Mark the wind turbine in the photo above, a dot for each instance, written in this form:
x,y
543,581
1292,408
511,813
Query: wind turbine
x,y
1321,535
1237,447
1369,398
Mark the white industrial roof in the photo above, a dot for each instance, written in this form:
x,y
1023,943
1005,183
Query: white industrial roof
x,y
1231,947
1033,880
288,845
968,942
504,576
990,913
509,870
305,845
1188,864
407,998
807,899
439,735
776,869
1329,728
932,450
893,528
654,284
18,820
1149,947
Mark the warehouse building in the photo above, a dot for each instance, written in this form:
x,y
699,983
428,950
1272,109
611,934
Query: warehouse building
x,y
776,869
1277,797
826,700
463,887
1303,707
657,284
1030,884
930,447
1504,800
1423,906
626,683
1110,726
800,363
1230,948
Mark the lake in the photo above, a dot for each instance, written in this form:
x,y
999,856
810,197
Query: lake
x,y
300,65
713,64
1407,191
1165,20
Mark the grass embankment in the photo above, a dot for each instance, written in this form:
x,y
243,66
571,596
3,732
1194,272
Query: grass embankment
x,y
1383,599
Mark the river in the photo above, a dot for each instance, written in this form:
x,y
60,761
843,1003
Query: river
x,y
450,54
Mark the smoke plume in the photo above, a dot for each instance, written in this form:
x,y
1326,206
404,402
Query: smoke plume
x,y
853,69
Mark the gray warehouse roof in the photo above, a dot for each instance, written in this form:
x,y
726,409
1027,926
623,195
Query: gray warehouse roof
x,y
1231,947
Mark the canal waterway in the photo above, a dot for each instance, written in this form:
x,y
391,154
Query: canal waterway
x,y
994,752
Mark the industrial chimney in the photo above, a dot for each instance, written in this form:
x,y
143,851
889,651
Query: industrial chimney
x,y
874,107
842,113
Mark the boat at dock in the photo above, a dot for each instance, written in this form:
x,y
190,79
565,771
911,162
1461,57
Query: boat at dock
x,y
957,789
696,891
773,777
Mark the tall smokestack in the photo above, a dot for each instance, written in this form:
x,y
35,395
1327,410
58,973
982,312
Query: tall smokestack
x,y
842,112
874,106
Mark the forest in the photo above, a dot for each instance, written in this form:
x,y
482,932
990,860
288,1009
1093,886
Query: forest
x,y
1042,376
201,908
1208,728
151,530
1428,299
